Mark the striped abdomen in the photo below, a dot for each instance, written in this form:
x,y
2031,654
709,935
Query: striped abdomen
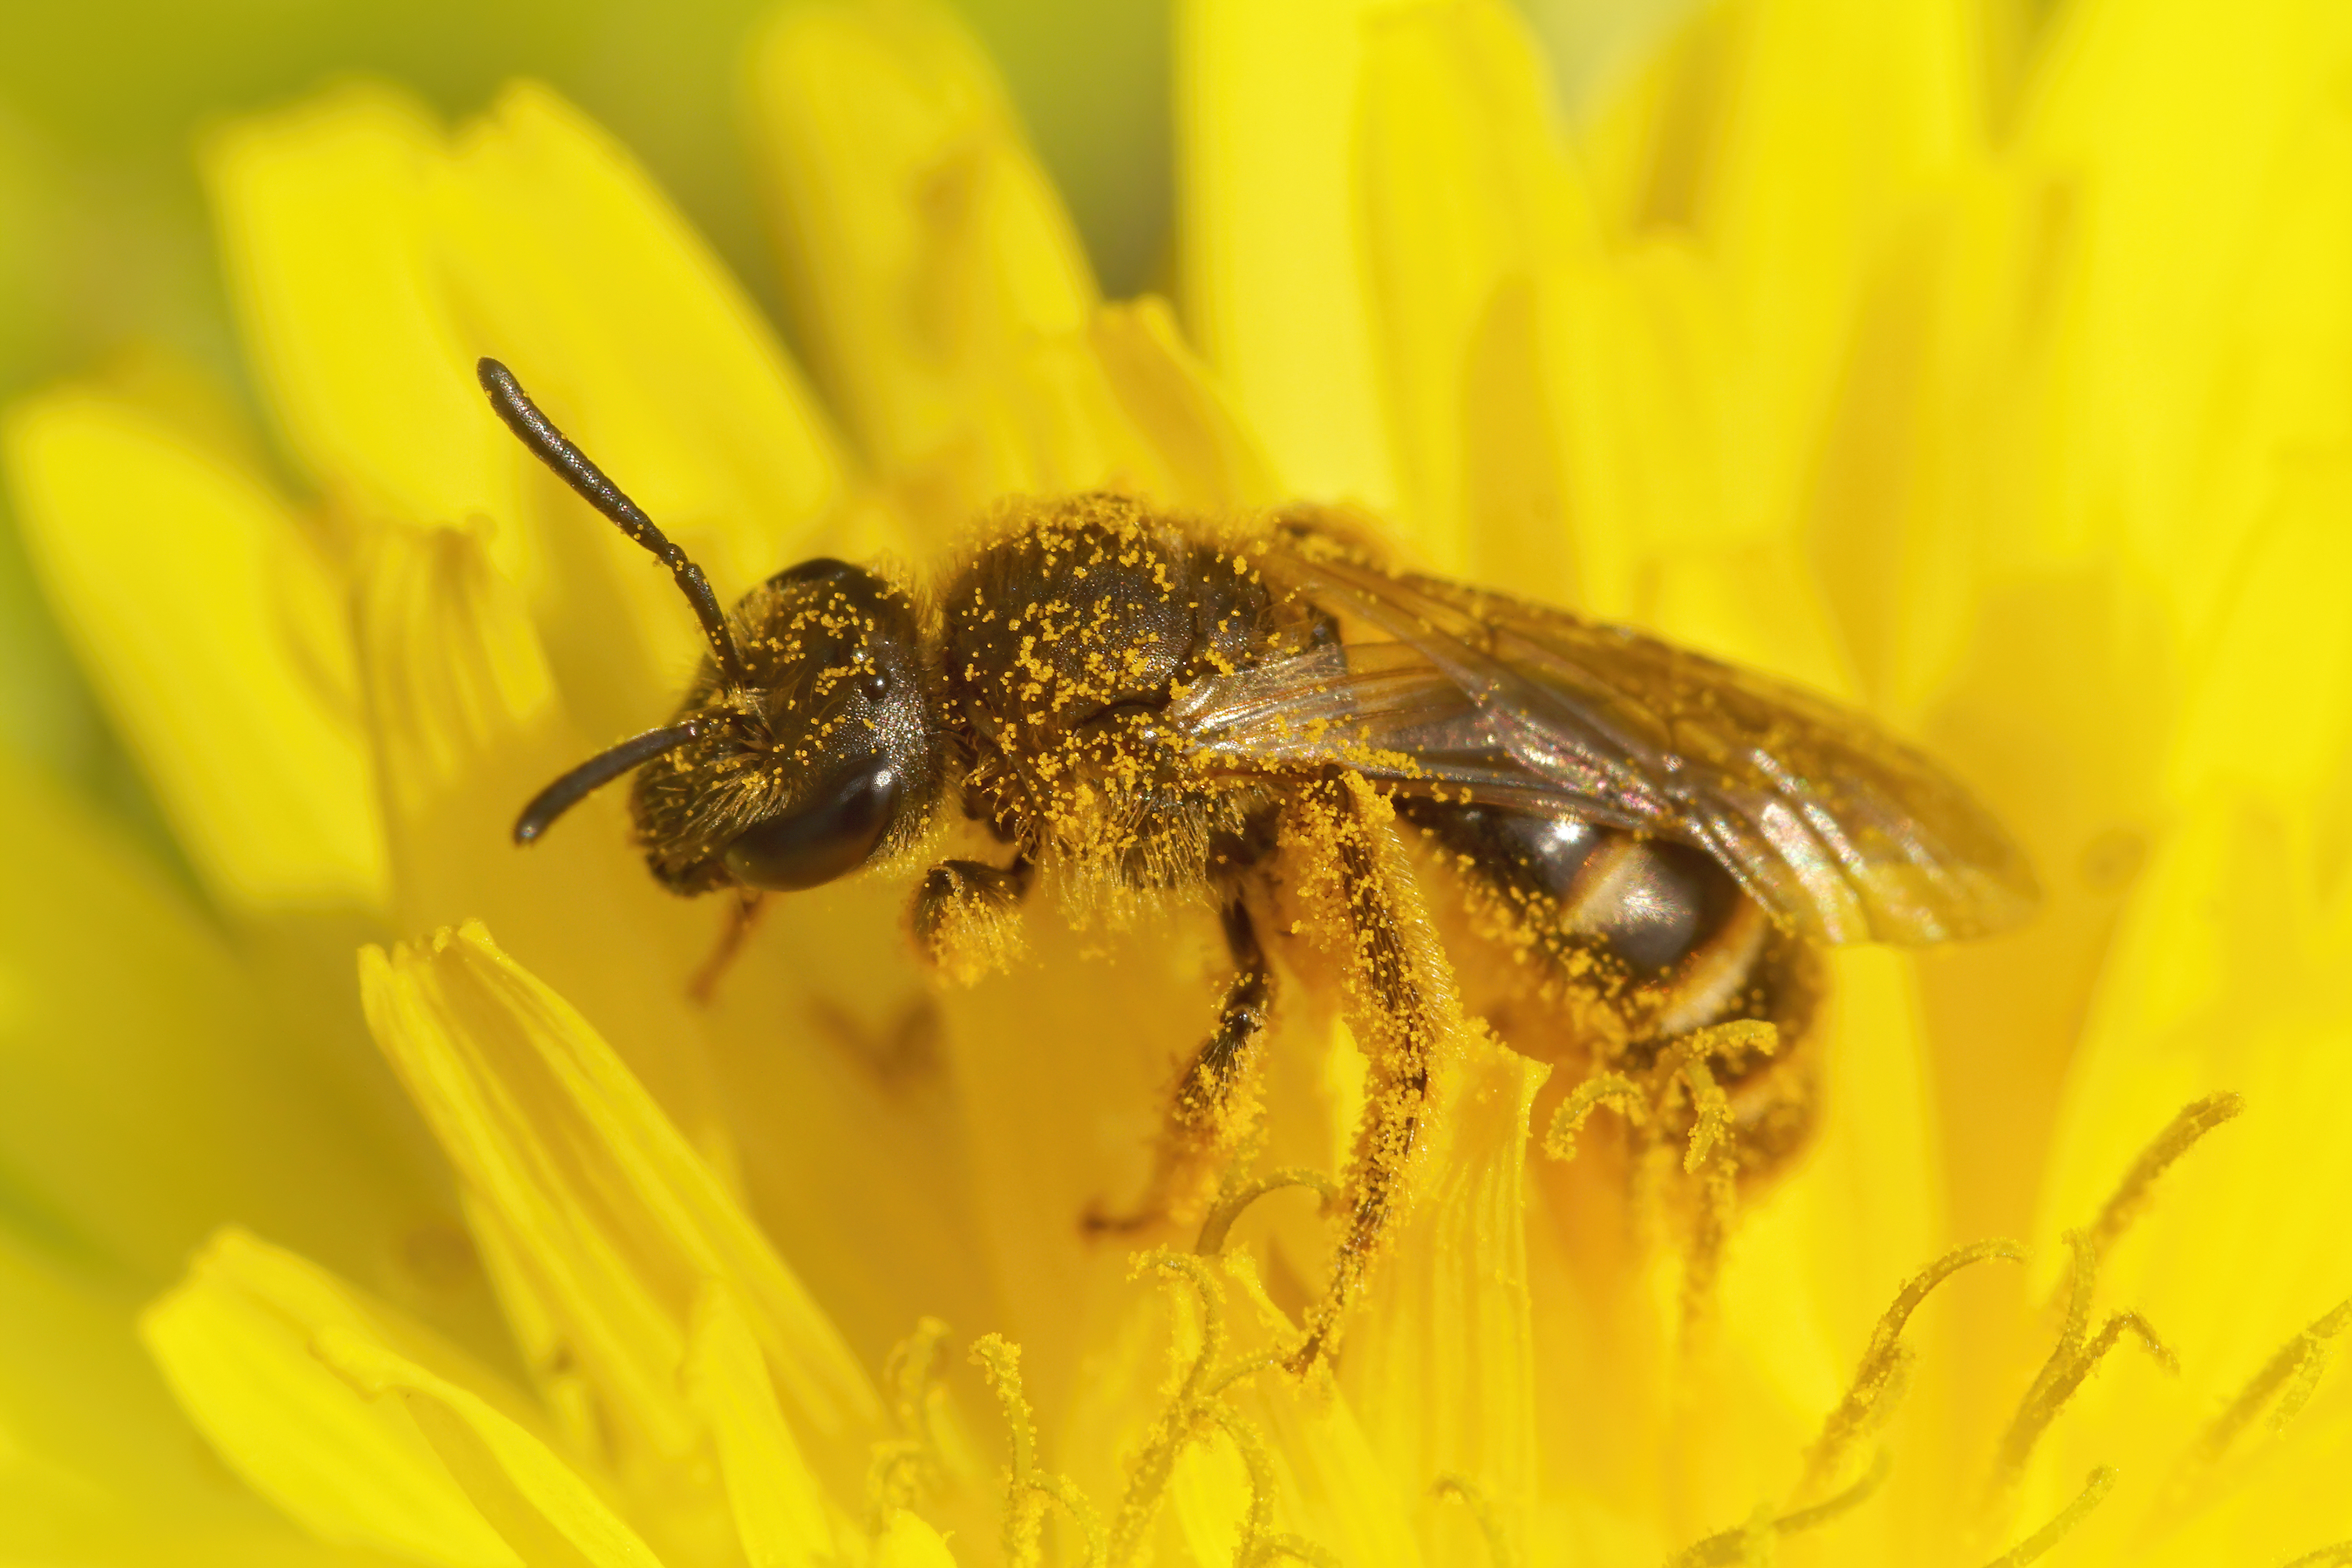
x,y
1656,927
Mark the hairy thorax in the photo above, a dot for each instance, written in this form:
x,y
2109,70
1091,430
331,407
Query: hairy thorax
x,y
1065,637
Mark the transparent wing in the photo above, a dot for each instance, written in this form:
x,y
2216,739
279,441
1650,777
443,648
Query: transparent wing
x,y
1843,831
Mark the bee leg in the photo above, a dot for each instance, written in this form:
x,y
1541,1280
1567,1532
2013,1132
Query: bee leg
x,y
741,916
1216,1098
1352,882
964,915
898,1054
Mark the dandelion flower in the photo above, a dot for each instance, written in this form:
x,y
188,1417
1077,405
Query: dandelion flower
x,y
1986,372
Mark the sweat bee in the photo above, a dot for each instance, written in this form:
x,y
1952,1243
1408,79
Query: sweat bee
x,y
1139,706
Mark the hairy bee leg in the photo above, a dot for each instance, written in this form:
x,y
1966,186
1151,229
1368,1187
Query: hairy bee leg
x,y
963,915
1401,1006
742,914
1210,1108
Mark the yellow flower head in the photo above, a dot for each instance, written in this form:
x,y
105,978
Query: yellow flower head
x,y
1984,371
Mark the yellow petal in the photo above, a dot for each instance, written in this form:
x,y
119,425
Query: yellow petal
x,y
944,293
1892,508
543,1507
1876,1182
153,1095
565,262
2228,941
780,1513
528,242
1342,1481
324,219
1812,1266
2238,1246
1443,1375
1209,1495
467,729
2270,711
451,670
1265,99
908,1542
2203,164
1641,354
2227,975
1023,1051
2216,987
2274,1492
1639,350
1761,364
2168,257
1468,204
241,1344
1758,606
607,1216
924,248
219,640
826,1037
1207,457
97,1463
2072,766
1836,118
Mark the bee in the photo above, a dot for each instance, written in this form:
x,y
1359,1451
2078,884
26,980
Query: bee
x,y
1138,707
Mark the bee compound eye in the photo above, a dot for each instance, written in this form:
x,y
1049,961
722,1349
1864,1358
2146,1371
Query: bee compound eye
x,y
830,836
823,569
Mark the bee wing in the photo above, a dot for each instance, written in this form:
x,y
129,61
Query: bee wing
x,y
1845,833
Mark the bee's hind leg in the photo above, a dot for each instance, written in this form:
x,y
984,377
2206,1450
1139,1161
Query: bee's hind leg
x,y
1354,883
1216,1100
966,915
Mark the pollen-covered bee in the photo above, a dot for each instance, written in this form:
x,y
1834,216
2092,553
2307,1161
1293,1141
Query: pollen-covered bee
x,y
1139,706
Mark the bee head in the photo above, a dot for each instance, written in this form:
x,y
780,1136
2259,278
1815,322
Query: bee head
x,y
826,758
811,742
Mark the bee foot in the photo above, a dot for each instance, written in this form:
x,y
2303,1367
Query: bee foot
x,y
966,917
1099,1223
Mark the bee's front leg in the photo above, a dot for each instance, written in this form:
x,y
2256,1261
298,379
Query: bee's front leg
x,y
1359,904
742,913
965,915
1216,1098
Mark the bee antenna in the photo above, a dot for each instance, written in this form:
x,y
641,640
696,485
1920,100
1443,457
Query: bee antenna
x,y
597,773
552,446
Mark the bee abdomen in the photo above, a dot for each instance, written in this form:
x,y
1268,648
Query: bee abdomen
x,y
1657,938
1651,904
